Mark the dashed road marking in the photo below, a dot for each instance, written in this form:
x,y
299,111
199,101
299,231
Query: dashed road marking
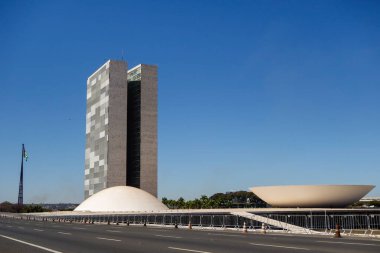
x,y
114,231
351,243
79,228
39,230
169,236
161,230
108,239
63,233
190,250
278,246
225,235
31,244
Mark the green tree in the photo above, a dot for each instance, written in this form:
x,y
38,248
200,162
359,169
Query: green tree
x,y
180,203
218,200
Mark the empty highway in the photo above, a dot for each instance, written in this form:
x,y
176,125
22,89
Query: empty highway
x,y
35,237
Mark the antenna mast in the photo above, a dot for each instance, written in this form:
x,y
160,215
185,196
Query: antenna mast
x,y
21,185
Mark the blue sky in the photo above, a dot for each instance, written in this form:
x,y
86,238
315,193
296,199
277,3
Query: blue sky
x,y
250,92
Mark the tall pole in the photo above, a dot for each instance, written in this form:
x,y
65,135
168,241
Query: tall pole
x,y
21,186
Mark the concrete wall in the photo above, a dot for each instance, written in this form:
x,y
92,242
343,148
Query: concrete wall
x,y
148,172
117,135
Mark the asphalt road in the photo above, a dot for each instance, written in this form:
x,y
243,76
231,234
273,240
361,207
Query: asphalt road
x,y
35,237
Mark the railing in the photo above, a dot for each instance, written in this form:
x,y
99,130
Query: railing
x,y
217,221
350,224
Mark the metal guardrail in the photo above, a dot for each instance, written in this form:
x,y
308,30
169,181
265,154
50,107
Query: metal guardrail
x,y
329,221
350,224
222,221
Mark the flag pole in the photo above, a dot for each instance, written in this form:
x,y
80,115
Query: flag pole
x,y
21,186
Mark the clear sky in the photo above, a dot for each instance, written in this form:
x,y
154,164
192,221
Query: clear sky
x,y
250,92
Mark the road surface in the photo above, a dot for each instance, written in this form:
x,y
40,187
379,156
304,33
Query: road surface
x,y
38,237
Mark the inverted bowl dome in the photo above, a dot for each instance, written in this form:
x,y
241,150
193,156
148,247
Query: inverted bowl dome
x,y
121,199
328,196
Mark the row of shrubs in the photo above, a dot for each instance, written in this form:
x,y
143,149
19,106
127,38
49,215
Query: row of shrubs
x,y
15,208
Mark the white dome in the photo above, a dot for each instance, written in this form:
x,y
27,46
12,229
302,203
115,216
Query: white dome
x,y
121,199
311,195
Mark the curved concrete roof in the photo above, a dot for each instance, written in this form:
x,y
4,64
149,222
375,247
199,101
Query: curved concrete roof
x,y
330,196
121,199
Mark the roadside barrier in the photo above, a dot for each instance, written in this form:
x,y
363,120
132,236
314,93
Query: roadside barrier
x,y
350,223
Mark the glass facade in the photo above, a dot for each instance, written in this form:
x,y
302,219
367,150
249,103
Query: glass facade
x,y
133,133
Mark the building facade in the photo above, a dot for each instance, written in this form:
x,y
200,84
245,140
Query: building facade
x,y
121,128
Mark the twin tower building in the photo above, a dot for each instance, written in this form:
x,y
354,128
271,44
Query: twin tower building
x,y
121,128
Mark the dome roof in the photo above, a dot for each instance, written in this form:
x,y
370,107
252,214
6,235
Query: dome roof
x,y
311,195
121,199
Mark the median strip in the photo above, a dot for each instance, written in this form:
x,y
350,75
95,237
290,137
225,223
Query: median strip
x,y
31,244
278,246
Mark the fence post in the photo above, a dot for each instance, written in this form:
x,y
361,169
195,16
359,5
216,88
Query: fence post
x,y
263,228
337,231
244,228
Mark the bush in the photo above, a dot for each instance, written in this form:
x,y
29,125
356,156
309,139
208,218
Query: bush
x,y
218,200
15,208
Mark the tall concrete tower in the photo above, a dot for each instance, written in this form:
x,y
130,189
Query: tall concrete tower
x,y
121,128
142,128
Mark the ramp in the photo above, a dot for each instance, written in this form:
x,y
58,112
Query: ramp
x,y
276,223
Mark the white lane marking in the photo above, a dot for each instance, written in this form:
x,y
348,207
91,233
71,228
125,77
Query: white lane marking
x,y
56,226
354,243
79,228
161,230
63,233
39,230
190,250
114,231
10,226
109,239
169,236
278,246
278,234
21,227
31,244
224,235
